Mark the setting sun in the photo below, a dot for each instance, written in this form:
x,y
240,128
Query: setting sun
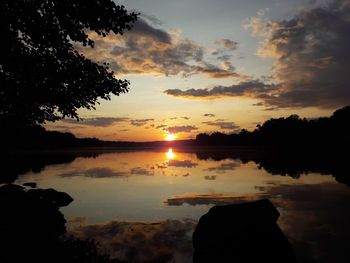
x,y
170,137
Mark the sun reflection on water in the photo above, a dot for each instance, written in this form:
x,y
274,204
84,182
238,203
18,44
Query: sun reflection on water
x,y
170,154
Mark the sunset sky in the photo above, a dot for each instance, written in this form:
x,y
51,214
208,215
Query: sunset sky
x,y
203,65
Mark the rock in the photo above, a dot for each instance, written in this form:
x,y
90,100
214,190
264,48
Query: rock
x,y
245,232
30,222
30,184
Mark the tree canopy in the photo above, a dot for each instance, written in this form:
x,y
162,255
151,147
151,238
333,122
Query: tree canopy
x,y
42,76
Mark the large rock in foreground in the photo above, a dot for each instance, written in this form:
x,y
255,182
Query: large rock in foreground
x,y
237,233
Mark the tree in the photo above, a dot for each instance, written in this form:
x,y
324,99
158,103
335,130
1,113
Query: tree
x,y
42,76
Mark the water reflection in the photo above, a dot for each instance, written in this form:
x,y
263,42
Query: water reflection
x,y
157,186
161,241
170,154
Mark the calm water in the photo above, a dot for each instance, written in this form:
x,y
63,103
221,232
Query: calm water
x,y
143,205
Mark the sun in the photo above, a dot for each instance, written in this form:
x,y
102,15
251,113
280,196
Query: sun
x,y
170,137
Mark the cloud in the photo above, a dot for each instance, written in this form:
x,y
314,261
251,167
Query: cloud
x,y
148,49
184,163
163,241
97,121
152,19
224,57
216,72
94,173
161,126
209,115
210,199
227,44
178,129
225,167
142,28
140,122
225,125
140,171
311,53
252,89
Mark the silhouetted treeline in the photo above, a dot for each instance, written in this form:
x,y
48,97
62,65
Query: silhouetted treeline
x,y
37,137
16,137
292,131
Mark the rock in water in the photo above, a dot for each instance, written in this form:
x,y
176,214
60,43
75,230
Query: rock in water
x,y
238,233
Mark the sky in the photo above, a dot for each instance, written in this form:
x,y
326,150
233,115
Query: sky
x,y
203,66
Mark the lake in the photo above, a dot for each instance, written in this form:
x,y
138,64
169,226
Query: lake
x,y
142,206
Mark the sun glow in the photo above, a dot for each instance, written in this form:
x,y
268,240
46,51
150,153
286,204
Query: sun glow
x,y
170,137
170,154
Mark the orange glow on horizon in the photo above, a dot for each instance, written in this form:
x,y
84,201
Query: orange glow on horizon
x,y
170,137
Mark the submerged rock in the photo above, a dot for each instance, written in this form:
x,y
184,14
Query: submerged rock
x,y
245,232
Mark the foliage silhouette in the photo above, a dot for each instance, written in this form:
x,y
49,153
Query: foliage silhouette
x,y
42,76
290,132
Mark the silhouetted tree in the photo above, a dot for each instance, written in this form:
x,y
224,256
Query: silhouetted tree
x,y
42,76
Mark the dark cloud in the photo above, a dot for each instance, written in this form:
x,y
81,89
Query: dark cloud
x,y
97,121
186,118
224,125
161,126
142,28
224,57
210,199
226,71
152,19
312,57
140,122
225,167
149,49
209,115
227,44
141,171
252,89
210,177
94,173
165,241
178,129
64,127
162,166
183,163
